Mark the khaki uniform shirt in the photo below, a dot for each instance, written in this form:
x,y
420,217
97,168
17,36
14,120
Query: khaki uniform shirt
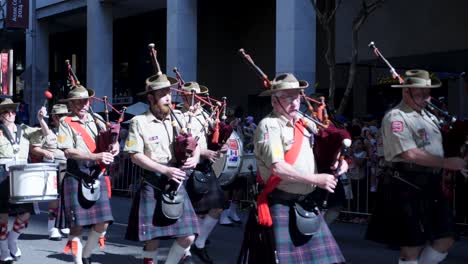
x,y
273,137
27,134
68,138
49,143
404,129
153,137
198,127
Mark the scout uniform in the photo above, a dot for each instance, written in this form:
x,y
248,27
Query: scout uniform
x,y
49,143
411,208
273,138
214,197
75,211
155,139
14,149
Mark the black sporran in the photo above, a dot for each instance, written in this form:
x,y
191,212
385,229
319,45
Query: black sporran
x,y
308,220
199,182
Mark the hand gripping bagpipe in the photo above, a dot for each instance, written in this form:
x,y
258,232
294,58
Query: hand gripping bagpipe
x,y
454,131
219,131
328,140
109,132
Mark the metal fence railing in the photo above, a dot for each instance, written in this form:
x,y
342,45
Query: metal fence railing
x,y
125,175
126,179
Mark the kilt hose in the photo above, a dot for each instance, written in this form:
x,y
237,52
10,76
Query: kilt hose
x,y
72,213
144,224
214,198
296,248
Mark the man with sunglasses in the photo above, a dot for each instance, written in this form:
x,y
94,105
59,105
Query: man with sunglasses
x,y
15,143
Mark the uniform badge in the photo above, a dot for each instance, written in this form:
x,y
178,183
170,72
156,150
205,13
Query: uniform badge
x,y
129,143
154,138
397,126
61,139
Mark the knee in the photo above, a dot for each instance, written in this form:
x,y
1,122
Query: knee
x,y
185,242
443,244
101,227
410,253
24,217
75,231
151,245
215,213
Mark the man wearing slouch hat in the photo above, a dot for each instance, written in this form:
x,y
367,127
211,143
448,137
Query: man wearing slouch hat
x,y
287,168
78,137
151,144
411,209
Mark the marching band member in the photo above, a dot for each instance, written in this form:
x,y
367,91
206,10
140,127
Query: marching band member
x,y
209,205
14,149
286,164
47,147
151,144
84,191
412,209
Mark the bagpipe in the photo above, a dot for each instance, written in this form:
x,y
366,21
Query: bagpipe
x,y
108,132
218,130
454,131
329,138
184,143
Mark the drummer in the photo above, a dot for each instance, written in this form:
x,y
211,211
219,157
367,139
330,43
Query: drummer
x,y
207,206
47,146
14,149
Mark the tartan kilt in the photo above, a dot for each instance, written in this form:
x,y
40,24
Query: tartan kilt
x,y
319,249
143,227
405,216
213,199
72,213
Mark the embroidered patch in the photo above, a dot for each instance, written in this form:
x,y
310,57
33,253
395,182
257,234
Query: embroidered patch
x,y
397,126
61,139
276,152
130,143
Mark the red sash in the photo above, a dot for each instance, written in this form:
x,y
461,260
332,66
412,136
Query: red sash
x,y
89,141
264,216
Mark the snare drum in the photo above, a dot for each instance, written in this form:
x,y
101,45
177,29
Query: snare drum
x,y
227,166
33,182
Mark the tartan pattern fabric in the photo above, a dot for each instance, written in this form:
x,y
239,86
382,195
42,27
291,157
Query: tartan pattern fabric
x,y
318,249
146,221
214,198
72,213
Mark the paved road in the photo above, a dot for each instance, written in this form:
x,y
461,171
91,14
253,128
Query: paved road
x,y
224,246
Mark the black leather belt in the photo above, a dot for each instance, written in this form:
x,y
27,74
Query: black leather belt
x,y
278,196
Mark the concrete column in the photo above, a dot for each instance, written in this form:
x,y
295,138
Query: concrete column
x,y
182,38
36,74
295,39
99,50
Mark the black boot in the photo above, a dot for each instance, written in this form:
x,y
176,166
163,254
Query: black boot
x,y
202,254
